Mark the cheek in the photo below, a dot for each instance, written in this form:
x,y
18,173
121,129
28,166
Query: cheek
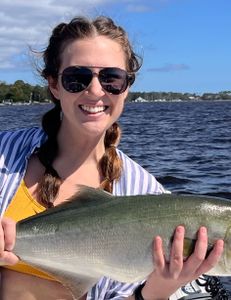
x,y
118,108
67,105
121,101
118,101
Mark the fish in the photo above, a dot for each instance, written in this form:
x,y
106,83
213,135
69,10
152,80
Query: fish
x,y
96,234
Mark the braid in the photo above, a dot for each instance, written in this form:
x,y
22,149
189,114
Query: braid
x,y
110,164
49,185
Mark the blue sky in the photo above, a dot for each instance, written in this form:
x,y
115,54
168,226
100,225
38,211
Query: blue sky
x,y
185,44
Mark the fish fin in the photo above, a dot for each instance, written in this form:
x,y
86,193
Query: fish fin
x,y
76,284
89,192
189,246
84,198
86,194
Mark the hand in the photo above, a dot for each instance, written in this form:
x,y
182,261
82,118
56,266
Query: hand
x,y
7,242
167,277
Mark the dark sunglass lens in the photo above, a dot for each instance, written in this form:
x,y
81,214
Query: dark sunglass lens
x,y
76,79
113,80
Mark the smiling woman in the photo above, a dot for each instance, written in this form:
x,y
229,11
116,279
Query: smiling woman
x,y
89,66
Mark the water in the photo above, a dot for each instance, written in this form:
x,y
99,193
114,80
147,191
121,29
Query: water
x,y
186,145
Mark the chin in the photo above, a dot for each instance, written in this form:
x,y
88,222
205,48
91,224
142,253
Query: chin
x,y
94,131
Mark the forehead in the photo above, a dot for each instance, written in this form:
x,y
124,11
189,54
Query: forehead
x,y
96,51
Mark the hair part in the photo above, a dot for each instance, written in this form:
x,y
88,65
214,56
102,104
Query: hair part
x,y
82,28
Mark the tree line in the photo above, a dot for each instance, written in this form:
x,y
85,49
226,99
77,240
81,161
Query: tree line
x,y
169,96
24,92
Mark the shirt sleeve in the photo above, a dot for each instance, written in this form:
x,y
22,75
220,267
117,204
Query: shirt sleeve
x,y
135,180
107,288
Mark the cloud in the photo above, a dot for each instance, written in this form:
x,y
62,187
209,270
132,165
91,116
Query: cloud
x,y
170,68
24,23
150,47
143,6
138,8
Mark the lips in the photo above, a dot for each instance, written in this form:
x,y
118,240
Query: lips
x,y
93,109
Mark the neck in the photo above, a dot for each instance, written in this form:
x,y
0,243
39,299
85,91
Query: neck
x,y
80,149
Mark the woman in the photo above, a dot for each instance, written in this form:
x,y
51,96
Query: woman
x,y
89,67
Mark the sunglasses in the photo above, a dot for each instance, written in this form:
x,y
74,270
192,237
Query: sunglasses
x,y
115,81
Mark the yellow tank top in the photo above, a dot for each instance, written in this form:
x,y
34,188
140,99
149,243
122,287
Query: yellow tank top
x,y
23,205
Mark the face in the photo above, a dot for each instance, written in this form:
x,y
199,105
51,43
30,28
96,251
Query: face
x,y
93,110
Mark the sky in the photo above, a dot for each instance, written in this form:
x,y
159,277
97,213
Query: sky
x,y
185,44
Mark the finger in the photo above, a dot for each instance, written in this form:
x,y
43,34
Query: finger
x,y
2,239
212,259
176,258
8,258
199,253
158,254
9,228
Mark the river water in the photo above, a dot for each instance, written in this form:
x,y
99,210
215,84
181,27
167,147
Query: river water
x,y
186,145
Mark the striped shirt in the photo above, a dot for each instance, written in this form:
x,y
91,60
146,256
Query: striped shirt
x,y
17,146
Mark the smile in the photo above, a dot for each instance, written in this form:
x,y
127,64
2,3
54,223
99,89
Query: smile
x,y
93,109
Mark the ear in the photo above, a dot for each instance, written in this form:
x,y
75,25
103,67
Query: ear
x,y
53,86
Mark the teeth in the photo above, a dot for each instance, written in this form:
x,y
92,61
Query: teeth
x,y
93,109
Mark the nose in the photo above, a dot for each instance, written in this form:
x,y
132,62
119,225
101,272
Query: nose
x,y
95,88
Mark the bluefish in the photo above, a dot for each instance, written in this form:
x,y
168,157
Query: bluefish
x,y
95,234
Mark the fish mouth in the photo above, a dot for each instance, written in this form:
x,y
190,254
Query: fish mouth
x,y
93,109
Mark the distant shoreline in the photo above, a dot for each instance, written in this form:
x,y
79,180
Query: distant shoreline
x,y
135,101
21,92
178,100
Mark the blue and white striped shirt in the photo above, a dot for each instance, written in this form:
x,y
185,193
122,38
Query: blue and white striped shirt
x,y
15,149
17,146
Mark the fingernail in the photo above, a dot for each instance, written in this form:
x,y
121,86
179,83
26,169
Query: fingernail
x,y
180,229
9,247
203,230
